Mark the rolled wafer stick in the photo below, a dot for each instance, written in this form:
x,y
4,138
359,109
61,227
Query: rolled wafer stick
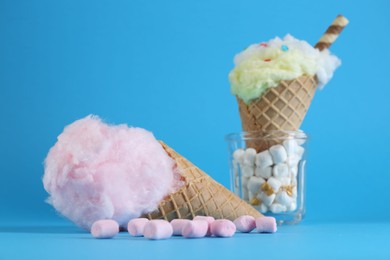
x,y
332,33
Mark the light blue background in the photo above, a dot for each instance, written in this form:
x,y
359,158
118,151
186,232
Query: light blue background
x,y
163,66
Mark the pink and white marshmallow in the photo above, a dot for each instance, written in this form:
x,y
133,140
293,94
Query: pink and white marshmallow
x,y
105,228
223,228
177,225
136,226
245,223
266,225
195,229
158,229
208,219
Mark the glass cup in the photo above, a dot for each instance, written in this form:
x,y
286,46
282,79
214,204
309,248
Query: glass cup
x,y
267,170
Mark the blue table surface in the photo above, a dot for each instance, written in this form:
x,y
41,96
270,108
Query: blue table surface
x,y
307,240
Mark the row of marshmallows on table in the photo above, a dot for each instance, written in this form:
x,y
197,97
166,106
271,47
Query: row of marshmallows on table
x,y
269,179
200,226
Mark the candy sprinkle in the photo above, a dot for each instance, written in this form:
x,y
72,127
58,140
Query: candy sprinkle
x,y
267,60
284,47
263,44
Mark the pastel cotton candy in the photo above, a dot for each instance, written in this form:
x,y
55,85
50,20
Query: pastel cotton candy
x,y
177,225
106,228
266,225
97,171
136,226
245,223
158,229
223,228
195,229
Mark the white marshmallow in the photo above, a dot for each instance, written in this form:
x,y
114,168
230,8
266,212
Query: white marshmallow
x,y
247,170
277,208
293,171
263,172
249,157
285,181
294,192
267,200
294,181
251,195
264,159
244,181
290,146
263,208
292,206
300,151
274,183
293,160
278,153
238,155
283,198
280,170
254,184
245,193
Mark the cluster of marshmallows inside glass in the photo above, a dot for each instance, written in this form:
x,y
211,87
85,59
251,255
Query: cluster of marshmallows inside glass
x,y
268,180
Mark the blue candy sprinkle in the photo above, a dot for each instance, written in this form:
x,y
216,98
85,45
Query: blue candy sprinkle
x,y
284,48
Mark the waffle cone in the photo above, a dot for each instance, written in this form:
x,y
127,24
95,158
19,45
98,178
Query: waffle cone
x,y
280,108
200,195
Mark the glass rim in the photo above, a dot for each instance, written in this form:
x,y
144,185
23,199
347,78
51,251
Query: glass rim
x,y
267,135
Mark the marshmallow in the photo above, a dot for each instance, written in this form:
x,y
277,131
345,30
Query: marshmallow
x,y
208,219
177,226
278,153
290,146
251,196
245,223
294,181
283,198
263,172
238,155
292,206
274,183
280,170
244,181
195,229
247,170
264,159
293,171
245,193
223,228
277,208
266,199
266,225
249,157
300,151
254,184
294,192
285,181
293,160
105,228
158,229
136,226
263,208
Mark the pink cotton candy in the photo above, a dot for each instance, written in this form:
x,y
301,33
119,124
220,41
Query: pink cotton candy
x,y
97,171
